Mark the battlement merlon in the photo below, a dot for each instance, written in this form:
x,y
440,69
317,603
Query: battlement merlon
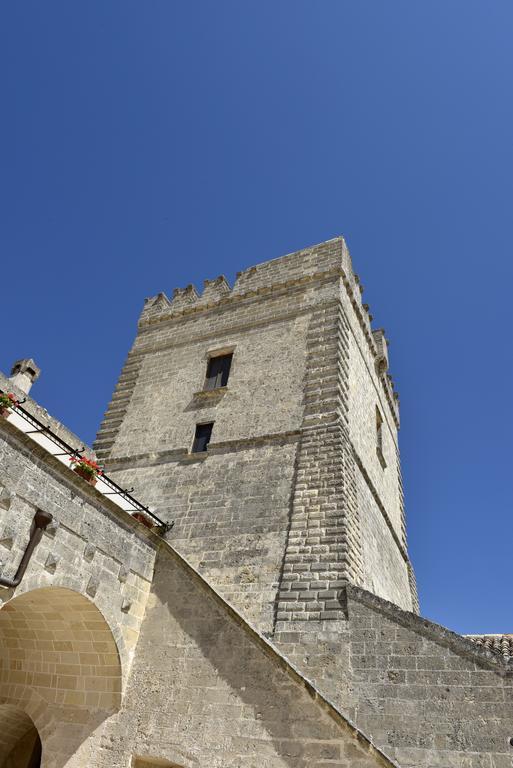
x,y
331,258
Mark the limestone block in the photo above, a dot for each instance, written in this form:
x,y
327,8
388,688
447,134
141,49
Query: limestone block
x,y
123,573
51,562
92,586
6,497
8,536
126,604
89,552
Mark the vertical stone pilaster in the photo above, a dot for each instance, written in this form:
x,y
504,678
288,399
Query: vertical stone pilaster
x,y
413,589
118,407
323,549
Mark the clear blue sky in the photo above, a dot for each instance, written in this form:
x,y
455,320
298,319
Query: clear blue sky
x,y
146,145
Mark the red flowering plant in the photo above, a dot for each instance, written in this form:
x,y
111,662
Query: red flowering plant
x,y
7,400
85,466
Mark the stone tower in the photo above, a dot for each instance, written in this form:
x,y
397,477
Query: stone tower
x,y
263,420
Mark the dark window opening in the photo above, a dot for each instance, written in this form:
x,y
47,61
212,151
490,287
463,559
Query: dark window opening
x,y
379,430
202,437
218,370
379,438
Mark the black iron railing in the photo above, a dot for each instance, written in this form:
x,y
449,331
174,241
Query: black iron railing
x,y
43,435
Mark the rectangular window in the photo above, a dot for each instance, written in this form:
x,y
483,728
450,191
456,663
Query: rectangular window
x,y
379,438
218,370
379,430
202,437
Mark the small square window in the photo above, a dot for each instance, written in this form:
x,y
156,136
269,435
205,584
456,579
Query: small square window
x,y
218,370
202,437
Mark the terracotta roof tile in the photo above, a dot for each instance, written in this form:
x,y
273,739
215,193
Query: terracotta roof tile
x,y
502,644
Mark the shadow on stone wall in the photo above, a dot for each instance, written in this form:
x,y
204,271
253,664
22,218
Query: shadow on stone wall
x,y
217,693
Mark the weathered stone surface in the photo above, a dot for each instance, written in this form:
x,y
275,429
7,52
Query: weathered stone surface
x,y
425,695
38,480
89,551
51,562
5,497
205,689
291,485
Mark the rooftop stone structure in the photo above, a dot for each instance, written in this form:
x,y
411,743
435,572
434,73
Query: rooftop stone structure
x,y
300,489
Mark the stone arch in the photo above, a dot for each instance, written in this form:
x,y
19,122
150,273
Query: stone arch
x,y
60,666
75,583
20,744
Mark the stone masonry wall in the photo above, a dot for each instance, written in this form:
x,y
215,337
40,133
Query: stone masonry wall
x,y
69,631
324,540
92,547
264,393
276,496
230,505
379,494
365,394
206,690
115,656
231,513
385,573
426,696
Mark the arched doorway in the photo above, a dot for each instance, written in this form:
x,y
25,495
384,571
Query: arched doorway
x,y
60,674
20,745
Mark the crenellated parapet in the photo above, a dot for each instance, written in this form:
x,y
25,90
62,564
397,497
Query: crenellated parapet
x,y
326,261
215,290
300,267
154,307
185,300
184,297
